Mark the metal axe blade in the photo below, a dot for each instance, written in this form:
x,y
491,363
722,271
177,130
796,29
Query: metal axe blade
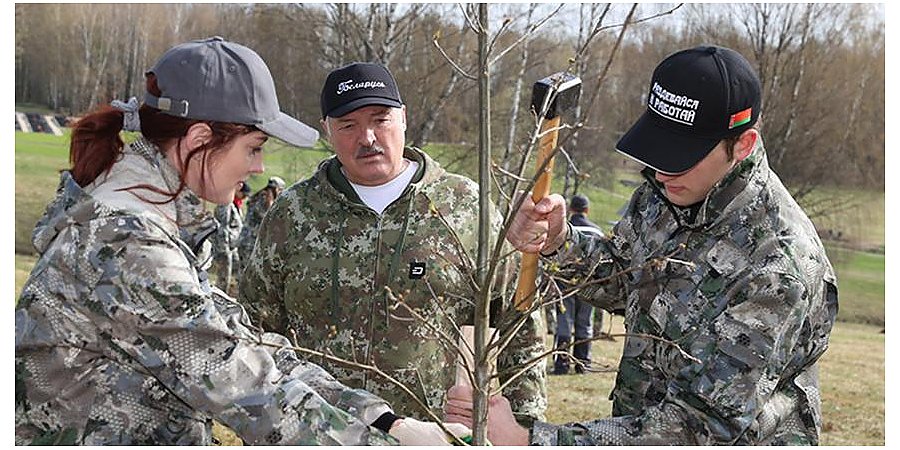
x,y
563,90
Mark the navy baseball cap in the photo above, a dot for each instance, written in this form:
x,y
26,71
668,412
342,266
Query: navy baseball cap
x,y
697,97
213,79
579,203
356,85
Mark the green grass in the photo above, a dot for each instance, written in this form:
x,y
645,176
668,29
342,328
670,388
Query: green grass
x,y
39,158
860,285
852,384
32,108
859,219
23,265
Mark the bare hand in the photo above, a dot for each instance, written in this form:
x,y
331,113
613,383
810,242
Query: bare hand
x,y
539,227
502,426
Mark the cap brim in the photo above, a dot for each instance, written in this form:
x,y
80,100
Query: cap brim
x,y
662,149
350,106
291,130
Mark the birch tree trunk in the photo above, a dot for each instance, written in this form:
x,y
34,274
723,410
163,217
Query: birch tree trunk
x,y
424,132
517,95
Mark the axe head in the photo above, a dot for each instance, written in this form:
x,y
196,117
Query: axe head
x,y
567,88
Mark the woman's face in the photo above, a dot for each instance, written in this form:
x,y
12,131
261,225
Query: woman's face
x,y
227,169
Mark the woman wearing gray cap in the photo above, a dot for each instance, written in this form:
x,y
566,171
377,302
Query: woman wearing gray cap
x,y
120,339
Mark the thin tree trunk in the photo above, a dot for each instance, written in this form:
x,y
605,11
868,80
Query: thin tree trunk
x,y
387,44
517,95
370,31
795,91
482,305
424,132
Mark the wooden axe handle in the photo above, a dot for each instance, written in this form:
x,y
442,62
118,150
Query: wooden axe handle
x,y
526,286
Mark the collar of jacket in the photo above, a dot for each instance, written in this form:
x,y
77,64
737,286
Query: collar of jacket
x,y
141,163
739,186
329,172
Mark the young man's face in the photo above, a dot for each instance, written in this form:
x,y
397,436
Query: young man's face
x,y
369,143
692,186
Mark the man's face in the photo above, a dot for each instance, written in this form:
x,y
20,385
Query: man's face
x,y
692,186
369,143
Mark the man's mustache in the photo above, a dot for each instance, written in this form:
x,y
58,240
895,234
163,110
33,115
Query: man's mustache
x,y
376,149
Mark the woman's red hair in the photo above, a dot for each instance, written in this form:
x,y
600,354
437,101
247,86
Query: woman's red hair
x,y
96,144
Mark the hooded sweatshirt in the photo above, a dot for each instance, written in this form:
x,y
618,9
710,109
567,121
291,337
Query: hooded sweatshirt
x,y
120,339
383,288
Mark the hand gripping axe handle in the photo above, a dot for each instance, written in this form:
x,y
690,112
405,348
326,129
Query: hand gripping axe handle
x,y
563,90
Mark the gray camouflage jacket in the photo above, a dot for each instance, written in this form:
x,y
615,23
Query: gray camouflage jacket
x,y
257,206
322,260
748,292
121,340
225,240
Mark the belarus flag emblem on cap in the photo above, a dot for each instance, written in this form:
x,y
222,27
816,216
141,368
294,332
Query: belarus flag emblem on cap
x,y
740,118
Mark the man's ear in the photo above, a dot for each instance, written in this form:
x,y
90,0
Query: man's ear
x,y
403,116
324,124
745,144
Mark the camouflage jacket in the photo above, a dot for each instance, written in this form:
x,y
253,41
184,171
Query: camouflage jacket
x,y
323,259
121,340
230,224
748,292
256,210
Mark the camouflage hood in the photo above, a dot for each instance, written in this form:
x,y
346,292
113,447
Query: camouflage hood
x,y
141,164
329,175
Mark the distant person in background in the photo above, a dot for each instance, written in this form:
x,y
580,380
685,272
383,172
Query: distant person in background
x,y
257,206
574,314
225,240
239,199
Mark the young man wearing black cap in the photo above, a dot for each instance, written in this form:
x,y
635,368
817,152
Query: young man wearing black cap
x,y
717,258
338,252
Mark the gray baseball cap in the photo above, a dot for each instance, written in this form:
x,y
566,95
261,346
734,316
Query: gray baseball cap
x,y
213,79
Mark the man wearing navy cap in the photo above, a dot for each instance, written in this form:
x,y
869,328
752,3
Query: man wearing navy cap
x,y
574,315
379,235
713,255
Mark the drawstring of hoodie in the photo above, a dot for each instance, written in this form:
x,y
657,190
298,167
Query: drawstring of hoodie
x,y
398,250
335,267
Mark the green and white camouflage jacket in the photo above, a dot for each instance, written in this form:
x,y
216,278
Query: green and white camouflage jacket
x,y
120,339
257,206
225,240
321,264
748,292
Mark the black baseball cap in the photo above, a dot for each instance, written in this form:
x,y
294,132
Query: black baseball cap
x,y
697,97
356,85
